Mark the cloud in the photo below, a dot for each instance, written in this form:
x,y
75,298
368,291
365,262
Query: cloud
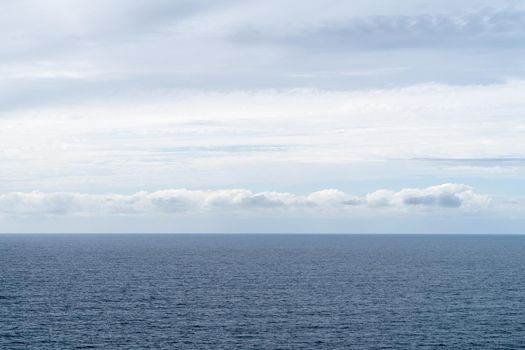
x,y
57,51
442,196
57,26
481,29
182,138
446,196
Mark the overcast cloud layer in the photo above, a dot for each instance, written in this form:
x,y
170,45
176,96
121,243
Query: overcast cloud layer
x,y
280,98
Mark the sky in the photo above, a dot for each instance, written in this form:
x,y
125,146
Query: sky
x,y
316,116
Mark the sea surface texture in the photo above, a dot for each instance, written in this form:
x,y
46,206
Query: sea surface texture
x,y
262,292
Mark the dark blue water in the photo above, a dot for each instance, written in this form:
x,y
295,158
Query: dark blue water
x,y
262,292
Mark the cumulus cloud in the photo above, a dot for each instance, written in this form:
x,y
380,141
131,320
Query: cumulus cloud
x,y
446,196
443,196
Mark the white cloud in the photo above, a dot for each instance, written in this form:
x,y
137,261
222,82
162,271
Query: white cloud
x,y
446,196
441,196
195,139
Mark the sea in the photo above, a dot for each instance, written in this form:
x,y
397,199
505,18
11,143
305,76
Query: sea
x,y
262,291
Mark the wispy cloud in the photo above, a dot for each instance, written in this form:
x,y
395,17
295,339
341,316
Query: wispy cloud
x,y
229,44
485,29
187,136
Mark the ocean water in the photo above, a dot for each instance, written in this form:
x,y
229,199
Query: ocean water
x,y
262,292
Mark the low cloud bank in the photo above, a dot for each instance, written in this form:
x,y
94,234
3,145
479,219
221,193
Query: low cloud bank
x,y
445,196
